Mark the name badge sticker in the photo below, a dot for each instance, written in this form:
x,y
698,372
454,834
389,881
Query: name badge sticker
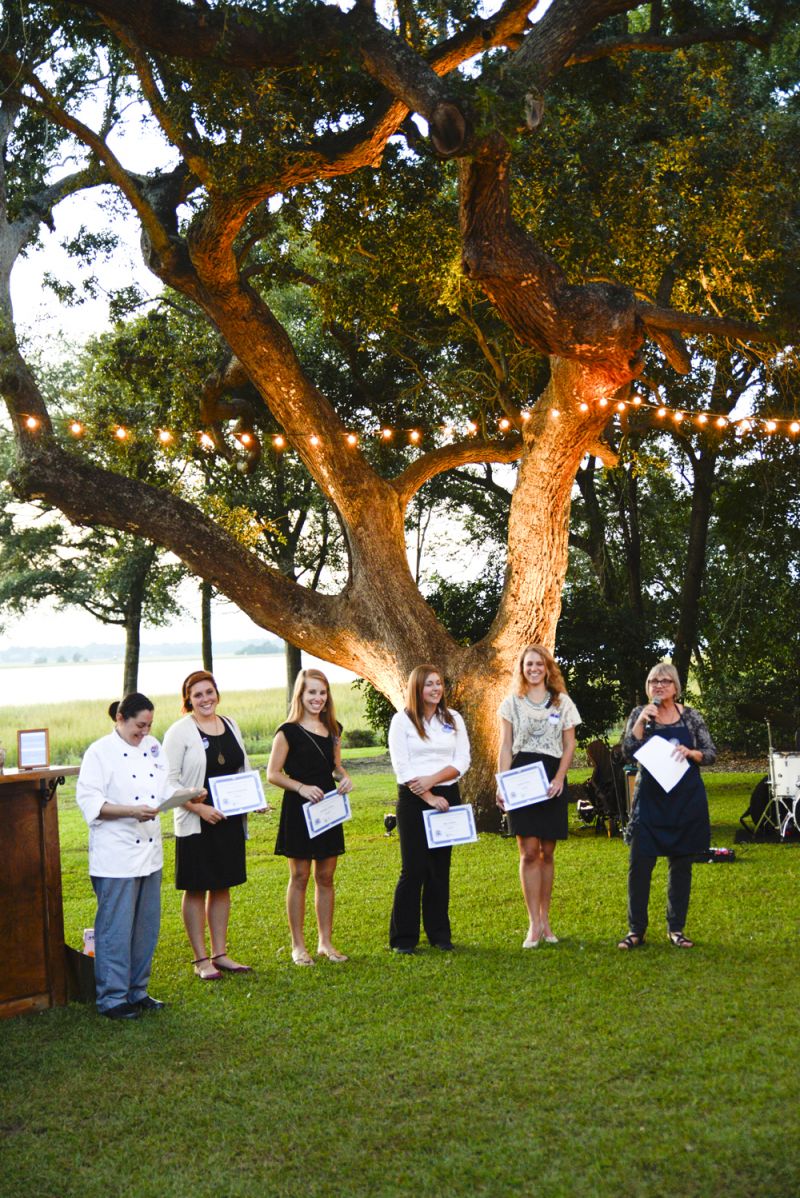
x,y
554,717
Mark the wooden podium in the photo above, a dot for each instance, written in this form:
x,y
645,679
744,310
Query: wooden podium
x,y
33,974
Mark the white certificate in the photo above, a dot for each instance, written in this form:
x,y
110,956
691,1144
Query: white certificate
x,y
456,826
332,809
525,785
178,798
656,757
236,794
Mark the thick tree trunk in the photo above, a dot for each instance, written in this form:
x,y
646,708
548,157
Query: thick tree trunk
x,y
206,591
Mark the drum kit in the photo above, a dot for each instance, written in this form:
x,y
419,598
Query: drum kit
x,y
784,781
781,814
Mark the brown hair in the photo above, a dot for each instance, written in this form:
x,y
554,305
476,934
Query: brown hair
x,y
553,678
192,681
296,710
415,709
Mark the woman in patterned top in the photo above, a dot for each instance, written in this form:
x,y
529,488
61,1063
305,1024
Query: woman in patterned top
x,y
672,824
537,723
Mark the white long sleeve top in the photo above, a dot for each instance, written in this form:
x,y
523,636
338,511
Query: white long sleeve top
x,y
446,744
112,771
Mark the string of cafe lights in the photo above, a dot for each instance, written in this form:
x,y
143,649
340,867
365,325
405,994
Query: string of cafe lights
x,y
704,421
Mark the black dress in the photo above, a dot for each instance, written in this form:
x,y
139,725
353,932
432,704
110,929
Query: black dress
x,y
310,761
548,820
214,859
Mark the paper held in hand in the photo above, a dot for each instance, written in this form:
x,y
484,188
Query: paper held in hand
x,y
237,794
178,798
456,826
332,809
656,757
525,785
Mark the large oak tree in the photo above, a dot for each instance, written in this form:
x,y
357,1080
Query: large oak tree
x,y
263,104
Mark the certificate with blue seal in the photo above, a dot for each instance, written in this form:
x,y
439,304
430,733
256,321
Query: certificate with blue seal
x,y
524,786
456,826
332,809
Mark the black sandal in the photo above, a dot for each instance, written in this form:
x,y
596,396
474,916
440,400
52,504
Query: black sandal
x,y
680,941
632,940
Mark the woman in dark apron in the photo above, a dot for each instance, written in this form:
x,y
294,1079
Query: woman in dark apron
x,y
672,824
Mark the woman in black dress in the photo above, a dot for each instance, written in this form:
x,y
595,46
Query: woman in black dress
x,y
209,847
537,723
305,760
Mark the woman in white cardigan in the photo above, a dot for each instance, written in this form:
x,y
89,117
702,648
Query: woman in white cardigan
x,y
209,848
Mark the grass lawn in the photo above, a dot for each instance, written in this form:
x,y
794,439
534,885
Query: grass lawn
x,y
568,1070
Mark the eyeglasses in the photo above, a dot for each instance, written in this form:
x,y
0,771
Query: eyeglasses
x,y
661,682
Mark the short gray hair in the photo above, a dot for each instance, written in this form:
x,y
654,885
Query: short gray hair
x,y
664,670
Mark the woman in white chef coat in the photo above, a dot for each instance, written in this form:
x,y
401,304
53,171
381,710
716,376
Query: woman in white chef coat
x,y
123,777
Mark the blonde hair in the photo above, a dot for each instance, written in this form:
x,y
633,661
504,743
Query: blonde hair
x,y
415,708
553,678
664,669
296,709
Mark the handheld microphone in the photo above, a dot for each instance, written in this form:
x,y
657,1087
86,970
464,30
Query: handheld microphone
x,y
650,724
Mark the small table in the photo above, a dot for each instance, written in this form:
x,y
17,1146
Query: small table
x,y
33,975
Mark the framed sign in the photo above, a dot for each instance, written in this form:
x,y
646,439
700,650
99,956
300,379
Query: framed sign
x,y
33,749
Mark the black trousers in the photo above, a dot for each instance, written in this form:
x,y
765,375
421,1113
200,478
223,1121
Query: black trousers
x,y
679,886
424,875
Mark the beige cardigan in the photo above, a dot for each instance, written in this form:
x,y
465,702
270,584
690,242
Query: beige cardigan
x,y
183,745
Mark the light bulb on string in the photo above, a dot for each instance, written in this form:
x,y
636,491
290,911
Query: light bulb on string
x,y
386,434
314,440
621,406
504,424
351,439
603,402
794,427
583,407
702,418
415,436
279,441
206,441
120,432
76,428
525,415
770,426
554,413
164,436
31,423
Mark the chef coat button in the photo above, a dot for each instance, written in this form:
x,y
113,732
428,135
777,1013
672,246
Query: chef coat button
x,y
137,840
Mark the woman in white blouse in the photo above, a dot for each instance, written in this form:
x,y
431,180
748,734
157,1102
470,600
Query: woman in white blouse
x,y
122,779
537,723
429,749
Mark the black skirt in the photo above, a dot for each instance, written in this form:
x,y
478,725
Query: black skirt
x,y
547,820
214,858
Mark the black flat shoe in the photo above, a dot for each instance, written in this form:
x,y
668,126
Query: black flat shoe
x,y
405,952
150,1004
446,946
123,1010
